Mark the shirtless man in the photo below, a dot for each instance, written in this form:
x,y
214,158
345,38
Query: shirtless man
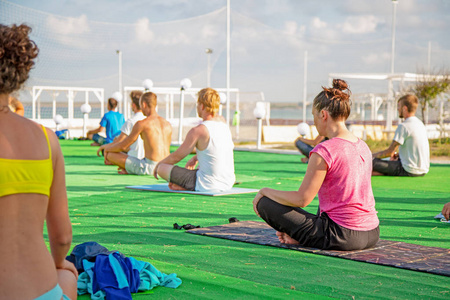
x,y
212,139
156,133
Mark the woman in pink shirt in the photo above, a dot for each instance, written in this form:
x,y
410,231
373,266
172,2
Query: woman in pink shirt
x,y
339,171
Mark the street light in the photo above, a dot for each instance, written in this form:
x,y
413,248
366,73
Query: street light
x,y
223,100
147,84
303,129
208,52
185,84
85,109
118,96
259,112
120,70
58,120
394,3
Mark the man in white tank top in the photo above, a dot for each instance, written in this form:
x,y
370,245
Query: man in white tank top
x,y
411,141
214,144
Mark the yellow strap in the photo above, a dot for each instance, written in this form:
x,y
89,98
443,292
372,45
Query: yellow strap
x,y
48,142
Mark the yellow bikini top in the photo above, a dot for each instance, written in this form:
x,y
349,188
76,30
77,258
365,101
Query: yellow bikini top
x,y
22,176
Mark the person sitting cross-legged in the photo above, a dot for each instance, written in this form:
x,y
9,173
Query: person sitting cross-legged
x,y
214,144
155,131
413,158
110,123
137,148
339,171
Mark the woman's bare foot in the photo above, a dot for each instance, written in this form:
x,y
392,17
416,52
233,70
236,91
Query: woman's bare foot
x,y
122,171
176,187
286,239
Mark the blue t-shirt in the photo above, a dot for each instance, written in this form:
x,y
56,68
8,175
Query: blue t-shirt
x,y
112,121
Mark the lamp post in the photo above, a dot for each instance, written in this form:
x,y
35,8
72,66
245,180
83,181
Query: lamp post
x,y
208,52
186,83
118,96
389,108
85,109
147,84
223,100
58,121
303,129
394,3
120,70
259,112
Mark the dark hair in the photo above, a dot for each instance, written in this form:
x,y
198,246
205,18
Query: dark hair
x,y
17,52
410,101
150,99
135,97
335,100
112,103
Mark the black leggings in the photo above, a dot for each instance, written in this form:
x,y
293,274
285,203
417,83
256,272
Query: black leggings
x,y
312,230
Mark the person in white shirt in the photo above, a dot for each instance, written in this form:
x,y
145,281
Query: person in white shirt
x,y
413,157
214,144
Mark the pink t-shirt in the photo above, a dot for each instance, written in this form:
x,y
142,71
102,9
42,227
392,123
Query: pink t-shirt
x,y
346,193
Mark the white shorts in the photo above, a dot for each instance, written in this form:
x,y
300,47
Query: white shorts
x,y
136,166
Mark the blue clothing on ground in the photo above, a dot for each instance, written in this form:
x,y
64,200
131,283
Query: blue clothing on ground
x,y
86,251
112,121
115,276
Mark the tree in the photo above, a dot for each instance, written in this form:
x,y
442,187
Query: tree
x,y
428,87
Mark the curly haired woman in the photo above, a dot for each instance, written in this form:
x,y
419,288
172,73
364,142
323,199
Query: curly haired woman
x,y
32,189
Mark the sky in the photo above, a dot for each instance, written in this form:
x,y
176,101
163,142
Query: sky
x,y
165,40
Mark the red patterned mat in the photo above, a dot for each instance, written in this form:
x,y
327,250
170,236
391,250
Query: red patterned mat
x,y
389,253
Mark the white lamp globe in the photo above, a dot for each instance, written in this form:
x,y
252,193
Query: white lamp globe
x,y
118,96
186,83
86,108
223,98
259,112
58,119
303,128
147,84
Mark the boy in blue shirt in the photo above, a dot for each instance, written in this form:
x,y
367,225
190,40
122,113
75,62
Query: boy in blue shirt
x,y
111,122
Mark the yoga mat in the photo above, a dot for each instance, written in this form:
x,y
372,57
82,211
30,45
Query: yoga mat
x,y
165,189
389,253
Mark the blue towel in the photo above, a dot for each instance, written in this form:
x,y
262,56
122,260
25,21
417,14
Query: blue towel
x,y
115,276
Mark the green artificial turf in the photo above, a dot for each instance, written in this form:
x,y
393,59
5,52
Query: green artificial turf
x,y
139,224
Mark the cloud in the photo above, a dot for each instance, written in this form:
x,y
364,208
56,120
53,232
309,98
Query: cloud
x,y
291,28
68,26
360,24
209,31
143,32
317,23
376,58
72,32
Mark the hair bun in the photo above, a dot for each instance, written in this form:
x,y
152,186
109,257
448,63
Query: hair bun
x,y
340,84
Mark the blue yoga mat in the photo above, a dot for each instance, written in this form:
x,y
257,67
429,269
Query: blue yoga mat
x,y
165,189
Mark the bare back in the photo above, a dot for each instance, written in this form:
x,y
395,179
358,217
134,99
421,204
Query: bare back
x,y
24,257
157,135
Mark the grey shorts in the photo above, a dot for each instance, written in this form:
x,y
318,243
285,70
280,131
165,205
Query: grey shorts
x,y
136,166
183,177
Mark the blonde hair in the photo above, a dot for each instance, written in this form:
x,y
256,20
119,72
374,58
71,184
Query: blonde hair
x,y
150,99
210,99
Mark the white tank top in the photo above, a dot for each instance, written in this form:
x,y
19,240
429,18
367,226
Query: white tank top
x,y
216,162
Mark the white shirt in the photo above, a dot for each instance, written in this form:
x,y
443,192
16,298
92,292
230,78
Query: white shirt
x,y
216,162
414,149
137,148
